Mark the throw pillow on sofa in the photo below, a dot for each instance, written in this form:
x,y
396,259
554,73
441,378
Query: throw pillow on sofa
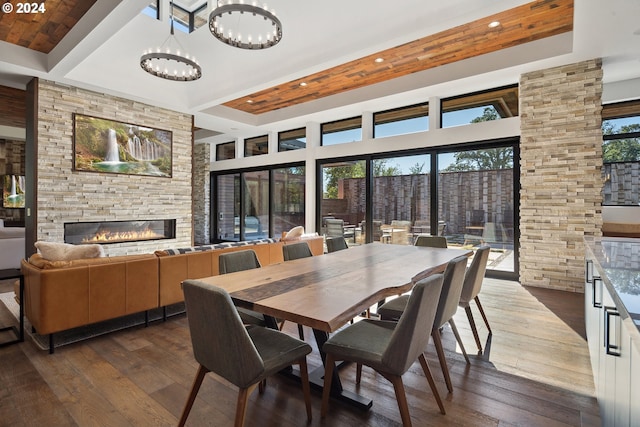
x,y
65,252
294,233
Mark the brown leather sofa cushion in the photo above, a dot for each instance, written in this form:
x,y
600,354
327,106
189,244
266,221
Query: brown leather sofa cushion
x,y
38,261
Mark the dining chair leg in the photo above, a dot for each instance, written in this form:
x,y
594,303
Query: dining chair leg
x,y
472,323
197,382
262,386
306,388
358,372
437,342
432,383
457,335
484,317
326,391
241,406
300,332
401,397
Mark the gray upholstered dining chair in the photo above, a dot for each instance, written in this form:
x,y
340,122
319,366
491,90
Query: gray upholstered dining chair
x,y
242,356
296,251
447,306
335,244
431,241
471,289
390,348
231,262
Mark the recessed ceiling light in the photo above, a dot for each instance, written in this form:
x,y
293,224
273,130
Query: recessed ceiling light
x,y
303,84
378,60
494,24
249,101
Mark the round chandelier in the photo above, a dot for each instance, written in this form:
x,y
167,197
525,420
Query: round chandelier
x,y
246,26
167,61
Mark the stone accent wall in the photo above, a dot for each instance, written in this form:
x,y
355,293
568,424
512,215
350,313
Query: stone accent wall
x,y
65,195
201,193
11,163
561,162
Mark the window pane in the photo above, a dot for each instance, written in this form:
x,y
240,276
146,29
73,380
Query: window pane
x,y
226,151
288,199
256,205
228,201
621,157
256,146
476,202
480,107
292,139
401,121
401,198
200,17
151,10
343,199
342,131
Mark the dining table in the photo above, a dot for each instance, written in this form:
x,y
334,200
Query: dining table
x,y
326,292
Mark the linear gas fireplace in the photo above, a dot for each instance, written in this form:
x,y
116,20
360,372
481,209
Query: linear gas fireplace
x,y
119,231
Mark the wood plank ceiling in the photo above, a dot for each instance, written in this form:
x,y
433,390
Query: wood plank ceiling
x,y
43,31
532,21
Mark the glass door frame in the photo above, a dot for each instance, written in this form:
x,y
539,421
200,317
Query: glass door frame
x,y
434,152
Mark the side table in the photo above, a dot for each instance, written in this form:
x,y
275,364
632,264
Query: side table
x,y
15,273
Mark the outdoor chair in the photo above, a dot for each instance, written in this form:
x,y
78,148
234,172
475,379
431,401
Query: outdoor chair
x,y
335,227
471,288
243,356
390,348
449,299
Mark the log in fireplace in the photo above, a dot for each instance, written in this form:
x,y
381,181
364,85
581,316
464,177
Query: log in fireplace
x,y
105,232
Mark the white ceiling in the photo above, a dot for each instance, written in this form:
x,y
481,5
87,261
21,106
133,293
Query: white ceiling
x,y
102,53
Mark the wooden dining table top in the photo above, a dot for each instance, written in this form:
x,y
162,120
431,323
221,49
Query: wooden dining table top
x,y
324,292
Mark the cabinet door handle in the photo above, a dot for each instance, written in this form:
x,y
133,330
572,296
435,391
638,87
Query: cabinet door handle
x,y
588,271
596,280
611,349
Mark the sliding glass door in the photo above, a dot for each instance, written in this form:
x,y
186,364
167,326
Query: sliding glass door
x,y
257,204
401,198
476,201
343,200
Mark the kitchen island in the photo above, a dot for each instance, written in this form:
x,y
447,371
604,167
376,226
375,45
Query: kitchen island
x,y
612,317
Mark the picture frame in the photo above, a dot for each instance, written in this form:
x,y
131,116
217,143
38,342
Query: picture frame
x,y
110,146
13,189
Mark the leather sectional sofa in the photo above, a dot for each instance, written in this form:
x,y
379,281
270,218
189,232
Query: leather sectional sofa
x,y
62,295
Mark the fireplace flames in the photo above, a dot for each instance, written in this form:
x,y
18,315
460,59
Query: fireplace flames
x,y
122,236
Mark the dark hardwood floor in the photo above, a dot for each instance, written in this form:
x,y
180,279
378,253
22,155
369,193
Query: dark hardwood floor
x,y
535,372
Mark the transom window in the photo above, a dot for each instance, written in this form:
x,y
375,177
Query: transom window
x,y
342,131
480,106
226,151
256,146
292,139
400,121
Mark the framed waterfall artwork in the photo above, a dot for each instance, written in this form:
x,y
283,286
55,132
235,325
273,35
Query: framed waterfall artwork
x,y
13,187
103,145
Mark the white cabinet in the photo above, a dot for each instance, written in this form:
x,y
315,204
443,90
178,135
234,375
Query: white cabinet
x,y
634,393
610,349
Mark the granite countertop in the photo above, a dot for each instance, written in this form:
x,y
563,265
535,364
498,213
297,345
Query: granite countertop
x,y
619,259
